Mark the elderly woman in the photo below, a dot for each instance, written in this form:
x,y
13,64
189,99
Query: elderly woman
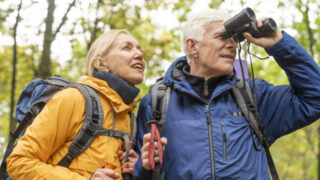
x,y
115,65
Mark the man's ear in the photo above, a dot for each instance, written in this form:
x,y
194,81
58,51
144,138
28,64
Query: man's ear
x,y
99,64
191,48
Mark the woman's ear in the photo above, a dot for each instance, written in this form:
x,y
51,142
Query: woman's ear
x,y
99,64
191,48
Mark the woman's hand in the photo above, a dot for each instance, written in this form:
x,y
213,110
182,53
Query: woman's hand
x,y
104,174
127,167
145,150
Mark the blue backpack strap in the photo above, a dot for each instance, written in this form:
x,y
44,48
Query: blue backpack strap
x,y
93,121
244,98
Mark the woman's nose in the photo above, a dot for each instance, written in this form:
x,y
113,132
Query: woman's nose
x,y
138,54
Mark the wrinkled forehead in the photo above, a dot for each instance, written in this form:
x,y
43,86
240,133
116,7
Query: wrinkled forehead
x,y
214,27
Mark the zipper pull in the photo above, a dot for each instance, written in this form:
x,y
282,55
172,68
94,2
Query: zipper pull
x,y
224,139
205,90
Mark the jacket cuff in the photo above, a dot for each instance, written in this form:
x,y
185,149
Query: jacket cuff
x,y
140,172
285,51
280,46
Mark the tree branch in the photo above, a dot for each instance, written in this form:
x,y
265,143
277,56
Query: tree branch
x,y
64,19
14,68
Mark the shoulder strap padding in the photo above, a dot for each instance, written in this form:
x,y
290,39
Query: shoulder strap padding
x,y
93,121
160,97
244,98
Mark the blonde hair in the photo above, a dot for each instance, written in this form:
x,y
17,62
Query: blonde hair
x,y
194,27
101,47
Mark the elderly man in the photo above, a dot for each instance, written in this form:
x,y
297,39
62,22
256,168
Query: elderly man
x,y
205,134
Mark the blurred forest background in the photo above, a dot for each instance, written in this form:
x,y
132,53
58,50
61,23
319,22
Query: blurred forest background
x,y
52,37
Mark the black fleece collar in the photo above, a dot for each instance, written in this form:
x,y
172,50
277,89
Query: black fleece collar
x,y
202,87
126,91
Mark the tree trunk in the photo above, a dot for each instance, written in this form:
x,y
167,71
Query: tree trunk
x,y
45,62
310,31
306,21
14,68
49,36
93,33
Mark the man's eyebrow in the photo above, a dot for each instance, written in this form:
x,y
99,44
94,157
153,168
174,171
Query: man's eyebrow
x,y
215,34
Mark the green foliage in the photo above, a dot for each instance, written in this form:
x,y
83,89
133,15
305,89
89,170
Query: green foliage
x,y
215,3
24,75
294,154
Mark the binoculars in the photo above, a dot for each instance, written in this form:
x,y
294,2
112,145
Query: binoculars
x,y
245,21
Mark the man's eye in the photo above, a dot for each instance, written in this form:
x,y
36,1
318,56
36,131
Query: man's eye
x,y
221,37
126,48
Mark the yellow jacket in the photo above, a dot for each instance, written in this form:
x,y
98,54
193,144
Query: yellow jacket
x,y
47,139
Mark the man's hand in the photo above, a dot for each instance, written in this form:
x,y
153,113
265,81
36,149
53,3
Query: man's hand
x,y
264,42
105,174
127,167
145,150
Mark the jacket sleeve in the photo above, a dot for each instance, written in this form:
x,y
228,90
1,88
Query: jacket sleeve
x,y
144,115
286,108
52,128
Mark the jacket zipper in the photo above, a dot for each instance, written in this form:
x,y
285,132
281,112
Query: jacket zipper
x,y
210,133
209,126
205,89
224,140
210,140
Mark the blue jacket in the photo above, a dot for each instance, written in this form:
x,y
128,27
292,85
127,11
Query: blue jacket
x,y
283,109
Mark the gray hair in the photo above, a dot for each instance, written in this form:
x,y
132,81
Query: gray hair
x,y
194,27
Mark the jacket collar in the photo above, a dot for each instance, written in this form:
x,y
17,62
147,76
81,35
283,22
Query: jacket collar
x,y
103,88
176,78
126,91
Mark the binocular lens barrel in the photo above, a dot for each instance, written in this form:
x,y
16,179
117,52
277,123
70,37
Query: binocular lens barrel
x,y
244,17
269,25
245,21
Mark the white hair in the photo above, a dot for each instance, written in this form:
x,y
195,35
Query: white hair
x,y
194,28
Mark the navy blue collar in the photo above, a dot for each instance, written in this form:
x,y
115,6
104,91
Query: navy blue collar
x,y
126,91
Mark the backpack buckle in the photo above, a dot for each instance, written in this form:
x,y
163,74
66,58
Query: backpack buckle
x,y
156,114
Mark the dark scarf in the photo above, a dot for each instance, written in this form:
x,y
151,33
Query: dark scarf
x,y
126,91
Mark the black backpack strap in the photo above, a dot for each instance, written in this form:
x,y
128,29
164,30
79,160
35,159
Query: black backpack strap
x,y
115,133
26,121
243,96
160,96
134,128
93,121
